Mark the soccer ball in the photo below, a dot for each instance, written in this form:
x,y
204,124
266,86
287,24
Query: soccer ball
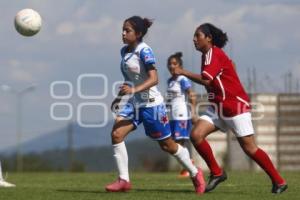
x,y
28,22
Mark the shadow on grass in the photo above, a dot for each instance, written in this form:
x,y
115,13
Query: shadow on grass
x,y
81,191
133,190
163,190
159,190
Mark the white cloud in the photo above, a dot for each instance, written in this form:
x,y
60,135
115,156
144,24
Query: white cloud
x,y
21,75
65,28
264,23
100,31
26,71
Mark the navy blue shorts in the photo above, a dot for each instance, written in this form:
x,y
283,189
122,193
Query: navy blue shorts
x,y
154,119
181,129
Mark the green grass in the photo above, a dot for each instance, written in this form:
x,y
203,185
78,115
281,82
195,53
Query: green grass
x,y
89,186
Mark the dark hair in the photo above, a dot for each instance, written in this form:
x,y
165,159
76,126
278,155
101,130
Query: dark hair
x,y
139,24
176,56
219,38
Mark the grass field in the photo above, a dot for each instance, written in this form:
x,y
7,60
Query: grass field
x,y
89,186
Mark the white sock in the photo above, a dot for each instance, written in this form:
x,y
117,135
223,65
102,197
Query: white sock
x,y
121,158
183,157
1,177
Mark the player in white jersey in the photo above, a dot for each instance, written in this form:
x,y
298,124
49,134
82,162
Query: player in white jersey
x,y
145,106
181,102
4,183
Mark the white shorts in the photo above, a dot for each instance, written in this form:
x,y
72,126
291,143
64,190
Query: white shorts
x,y
241,125
179,111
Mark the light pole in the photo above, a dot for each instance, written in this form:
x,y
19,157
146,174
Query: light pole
x,y
19,96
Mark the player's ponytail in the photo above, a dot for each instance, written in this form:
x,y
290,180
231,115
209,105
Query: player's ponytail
x,y
219,38
148,22
140,25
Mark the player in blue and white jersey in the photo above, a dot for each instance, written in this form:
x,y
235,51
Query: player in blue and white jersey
x,y
145,106
181,102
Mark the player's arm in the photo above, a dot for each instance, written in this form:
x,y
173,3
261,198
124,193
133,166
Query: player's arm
x,y
152,80
198,78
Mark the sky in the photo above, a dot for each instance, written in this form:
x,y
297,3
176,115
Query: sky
x,y
81,38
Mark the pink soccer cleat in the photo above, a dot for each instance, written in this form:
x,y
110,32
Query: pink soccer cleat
x,y
119,185
199,182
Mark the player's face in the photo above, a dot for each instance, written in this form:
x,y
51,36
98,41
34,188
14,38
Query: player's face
x,y
173,63
129,35
201,41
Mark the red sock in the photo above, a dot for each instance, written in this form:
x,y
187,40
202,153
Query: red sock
x,y
206,153
263,160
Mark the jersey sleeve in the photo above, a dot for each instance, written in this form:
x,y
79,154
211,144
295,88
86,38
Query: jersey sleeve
x,y
212,65
147,56
185,83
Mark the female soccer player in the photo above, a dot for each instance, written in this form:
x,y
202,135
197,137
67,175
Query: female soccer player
x,y
229,108
181,101
146,105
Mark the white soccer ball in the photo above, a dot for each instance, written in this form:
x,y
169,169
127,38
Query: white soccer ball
x,y
28,22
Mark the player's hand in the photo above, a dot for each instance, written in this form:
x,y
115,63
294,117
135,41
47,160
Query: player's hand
x,y
125,89
177,71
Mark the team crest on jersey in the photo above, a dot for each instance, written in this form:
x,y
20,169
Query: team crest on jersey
x,y
148,58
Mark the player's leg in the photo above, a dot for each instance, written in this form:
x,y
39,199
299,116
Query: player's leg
x,y
243,129
179,152
263,160
157,127
199,132
183,157
1,176
181,133
121,129
184,172
4,183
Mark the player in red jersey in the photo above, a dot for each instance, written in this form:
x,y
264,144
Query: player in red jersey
x,y
229,109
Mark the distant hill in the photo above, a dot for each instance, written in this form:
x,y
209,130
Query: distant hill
x,y
82,137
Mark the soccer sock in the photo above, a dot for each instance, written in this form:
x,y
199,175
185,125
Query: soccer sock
x,y
183,157
1,177
206,153
264,161
121,158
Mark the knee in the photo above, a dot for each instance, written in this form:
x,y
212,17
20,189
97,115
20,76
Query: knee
x,y
165,147
196,136
116,136
249,149
168,148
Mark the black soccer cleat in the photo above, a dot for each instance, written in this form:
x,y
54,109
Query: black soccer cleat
x,y
214,181
277,189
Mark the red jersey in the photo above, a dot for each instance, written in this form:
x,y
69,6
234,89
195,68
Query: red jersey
x,y
226,90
